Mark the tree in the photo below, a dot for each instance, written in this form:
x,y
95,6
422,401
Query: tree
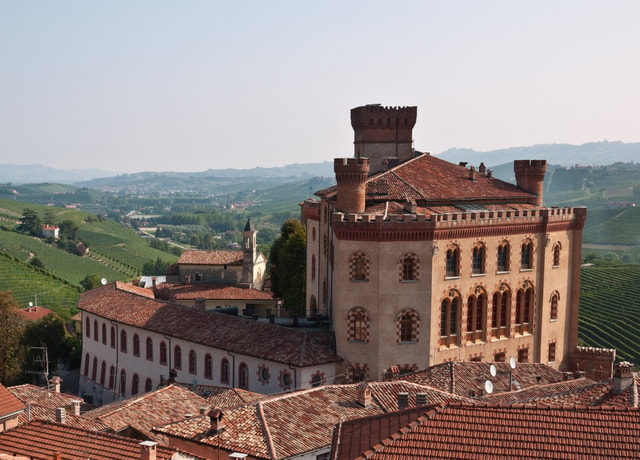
x,y
68,230
30,223
11,327
287,261
155,268
47,332
91,282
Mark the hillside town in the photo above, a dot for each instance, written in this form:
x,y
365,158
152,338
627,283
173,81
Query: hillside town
x,y
440,320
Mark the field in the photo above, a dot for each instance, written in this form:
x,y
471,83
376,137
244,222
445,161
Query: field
x,y
609,312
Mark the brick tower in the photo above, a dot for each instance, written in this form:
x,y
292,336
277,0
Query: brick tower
x,y
351,176
383,134
530,177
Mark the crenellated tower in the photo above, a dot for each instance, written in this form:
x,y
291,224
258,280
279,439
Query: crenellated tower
x,y
351,177
383,134
530,177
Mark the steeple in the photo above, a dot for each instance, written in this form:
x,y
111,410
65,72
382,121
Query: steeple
x,y
249,248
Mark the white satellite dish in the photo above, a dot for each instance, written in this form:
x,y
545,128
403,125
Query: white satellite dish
x,y
492,370
488,387
31,304
103,281
512,363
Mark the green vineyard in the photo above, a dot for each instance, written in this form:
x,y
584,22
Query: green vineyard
x,y
609,312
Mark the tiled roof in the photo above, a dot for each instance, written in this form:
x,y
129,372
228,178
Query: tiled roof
x,y
38,396
42,440
167,404
215,292
9,403
297,422
33,313
48,414
240,335
464,377
467,431
429,179
224,397
199,257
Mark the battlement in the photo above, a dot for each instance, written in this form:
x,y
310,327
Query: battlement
x,y
530,166
350,165
376,116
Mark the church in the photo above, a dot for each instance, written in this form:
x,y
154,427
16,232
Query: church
x,y
418,261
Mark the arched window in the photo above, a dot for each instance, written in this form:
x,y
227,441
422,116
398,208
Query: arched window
x,y
359,267
453,262
503,257
112,376
555,297
104,334
409,267
478,260
407,326
136,345
193,366
163,353
103,373
208,366
500,312
149,349
123,382
243,376
113,337
316,380
524,306
358,323
123,341
94,372
86,365
148,386
95,330
556,255
526,255
135,382
224,371
449,319
313,267
476,305
87,327
177,357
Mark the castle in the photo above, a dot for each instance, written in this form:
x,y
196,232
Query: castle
x,y
418,261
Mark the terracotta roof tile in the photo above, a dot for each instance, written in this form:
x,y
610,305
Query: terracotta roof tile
x,y
240,335
298,422
462,431
143,412
215,292
199,257
38,396
224,397
42,440
33,313
48,414
9,403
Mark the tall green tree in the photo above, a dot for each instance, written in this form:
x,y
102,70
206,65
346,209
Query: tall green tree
x,y
11,327
47,332
30,223
287,262
68,230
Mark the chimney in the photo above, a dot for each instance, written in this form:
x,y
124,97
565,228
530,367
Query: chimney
x,y
172,377
61,415
472,173
482,169
56,381
215,419
203,410
76,407
149,449
403,400
364,394
422,399
622,377
57,456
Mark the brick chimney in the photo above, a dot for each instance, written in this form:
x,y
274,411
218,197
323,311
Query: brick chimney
x,y
364,394
56,381
403,400
622,377
76,407
61,415
422,399
148,451
215,420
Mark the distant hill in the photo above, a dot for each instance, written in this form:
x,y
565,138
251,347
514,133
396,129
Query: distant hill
x,y
30,174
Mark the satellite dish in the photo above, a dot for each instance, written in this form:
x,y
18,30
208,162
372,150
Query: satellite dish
x,y
493,371
512,363
31,304
103,281
488,387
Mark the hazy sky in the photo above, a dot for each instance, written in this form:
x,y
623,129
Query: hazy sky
x,y
192,85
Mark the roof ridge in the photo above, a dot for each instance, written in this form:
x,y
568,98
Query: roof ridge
x,y
265,429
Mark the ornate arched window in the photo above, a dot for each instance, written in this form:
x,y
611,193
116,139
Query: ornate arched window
x,y
526,255
555,298
524,308
556,254
478,259
452,261
358,325
450,319
407,326
503,257
501,312
409,267
476,315
359,267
